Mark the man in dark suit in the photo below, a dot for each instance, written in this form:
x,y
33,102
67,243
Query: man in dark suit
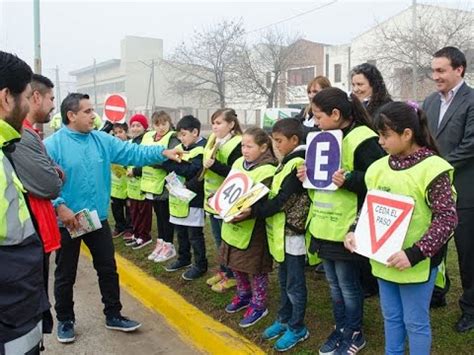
x,y
450,114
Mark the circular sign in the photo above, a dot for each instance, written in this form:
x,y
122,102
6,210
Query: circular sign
x,y
115,108
232,188
322,160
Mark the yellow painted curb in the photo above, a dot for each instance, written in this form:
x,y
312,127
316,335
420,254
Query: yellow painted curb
x,y
193,325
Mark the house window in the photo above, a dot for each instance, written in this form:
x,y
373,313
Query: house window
x,y
337,73
302,76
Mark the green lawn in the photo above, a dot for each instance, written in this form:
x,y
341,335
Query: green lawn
x,y
318,316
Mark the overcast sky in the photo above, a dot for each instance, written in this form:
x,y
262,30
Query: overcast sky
x,y
75,32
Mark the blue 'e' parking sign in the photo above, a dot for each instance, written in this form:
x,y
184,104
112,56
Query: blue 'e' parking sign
x,y
323,159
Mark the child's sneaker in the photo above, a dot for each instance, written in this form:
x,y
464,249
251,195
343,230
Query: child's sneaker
x,y
290,339
352,343
116,233
127,236
167,252
331,343
237,304
225,284
176,265
216,278
193,273
252,316
156,251
140,243
274,331
131,241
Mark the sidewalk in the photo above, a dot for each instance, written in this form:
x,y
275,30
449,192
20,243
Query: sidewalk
x,y
154,337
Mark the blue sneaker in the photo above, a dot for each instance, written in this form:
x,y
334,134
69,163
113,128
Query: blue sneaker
x,y
352,343
331,343
66,331
290,339
121,323
252,316
237,304
274,331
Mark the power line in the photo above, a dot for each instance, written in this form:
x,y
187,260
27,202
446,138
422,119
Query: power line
x,y
292,17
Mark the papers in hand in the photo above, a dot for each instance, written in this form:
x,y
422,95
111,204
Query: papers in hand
x,y
88,222
176,188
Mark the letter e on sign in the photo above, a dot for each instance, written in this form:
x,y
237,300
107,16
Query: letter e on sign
x,y
323,159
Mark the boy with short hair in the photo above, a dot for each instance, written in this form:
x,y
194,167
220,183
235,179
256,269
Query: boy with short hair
x,y
188,218
285,212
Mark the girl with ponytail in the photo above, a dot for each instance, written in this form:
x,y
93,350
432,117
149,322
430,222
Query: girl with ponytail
x,y
413,168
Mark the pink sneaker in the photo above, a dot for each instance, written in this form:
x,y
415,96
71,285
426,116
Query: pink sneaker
x,y
127,236
159,245
167,252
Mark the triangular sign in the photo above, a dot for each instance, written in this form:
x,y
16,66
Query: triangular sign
x,y
377,243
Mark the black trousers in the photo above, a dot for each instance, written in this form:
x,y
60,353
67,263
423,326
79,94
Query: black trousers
x,y
165,228
191,237
464,239
101,247
47,316
121,213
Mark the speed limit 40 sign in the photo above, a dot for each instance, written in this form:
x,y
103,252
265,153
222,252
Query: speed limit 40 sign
x,y
235,185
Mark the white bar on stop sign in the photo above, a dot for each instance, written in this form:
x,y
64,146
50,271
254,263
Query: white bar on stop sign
x,y
115,108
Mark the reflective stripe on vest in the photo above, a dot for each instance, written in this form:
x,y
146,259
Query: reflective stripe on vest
x,y
275,225
153,180
414,182
332,212
118,182
179,208
15,221
239,234
26,342
213,181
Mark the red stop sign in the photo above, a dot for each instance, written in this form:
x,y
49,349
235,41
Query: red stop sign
x,y
115,108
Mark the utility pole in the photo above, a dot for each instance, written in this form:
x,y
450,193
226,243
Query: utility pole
x,y
95,85
153,85
58,89
37,30
415,53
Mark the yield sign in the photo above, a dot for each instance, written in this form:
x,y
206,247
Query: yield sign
x,y
386,211
383,224
115,108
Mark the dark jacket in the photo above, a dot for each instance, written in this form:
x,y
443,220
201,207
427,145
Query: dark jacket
x,y
455,138
190,171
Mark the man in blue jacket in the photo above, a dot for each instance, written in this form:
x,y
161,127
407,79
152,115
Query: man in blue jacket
x,y
85,156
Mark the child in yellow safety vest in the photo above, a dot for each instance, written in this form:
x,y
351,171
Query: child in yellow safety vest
x,y
332,214
223,148
153,185
120,210
413,168
286,211
141,219
188,217
245,248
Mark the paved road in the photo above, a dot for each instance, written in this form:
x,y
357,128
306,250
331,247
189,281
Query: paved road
x,y
154,336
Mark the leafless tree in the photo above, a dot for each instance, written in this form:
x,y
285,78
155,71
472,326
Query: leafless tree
x,y
399,47
261,70
202,66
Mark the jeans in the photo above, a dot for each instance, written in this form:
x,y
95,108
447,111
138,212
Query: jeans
x,y
101,247
121,213
346,293
293,294
216,227
191,237
406,312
